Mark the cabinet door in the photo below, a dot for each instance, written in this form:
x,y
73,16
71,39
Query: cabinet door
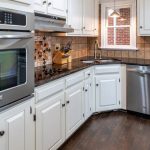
x,y
107,92
40,6
96,18
88,98
88,17
57,7
74,108
17,127
75,16
143,17
50,124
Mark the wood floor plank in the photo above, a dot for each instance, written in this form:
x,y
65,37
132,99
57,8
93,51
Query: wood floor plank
x,y
111,131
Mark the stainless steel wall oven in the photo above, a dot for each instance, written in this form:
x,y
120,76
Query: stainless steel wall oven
x,y
16,56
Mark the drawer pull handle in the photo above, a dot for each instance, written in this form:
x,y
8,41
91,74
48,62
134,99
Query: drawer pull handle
x,y
2,133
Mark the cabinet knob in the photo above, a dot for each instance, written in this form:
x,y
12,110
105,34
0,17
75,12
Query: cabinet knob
x,y
141,27
68,102
44,2
84,28
86,90
97,84
49,4
89,74
63,105
2,133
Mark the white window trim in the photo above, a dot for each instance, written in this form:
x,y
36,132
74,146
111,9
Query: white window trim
x,y
122,4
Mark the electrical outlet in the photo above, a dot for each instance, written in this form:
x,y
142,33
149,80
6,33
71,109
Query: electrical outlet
x,y
57,47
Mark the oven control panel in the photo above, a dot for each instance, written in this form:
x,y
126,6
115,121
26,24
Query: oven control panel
x,y
11,18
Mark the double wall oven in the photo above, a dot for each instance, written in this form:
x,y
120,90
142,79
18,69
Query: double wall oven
x,y
16,56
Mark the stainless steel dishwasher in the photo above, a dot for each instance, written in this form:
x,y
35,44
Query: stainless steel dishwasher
x,y
138,88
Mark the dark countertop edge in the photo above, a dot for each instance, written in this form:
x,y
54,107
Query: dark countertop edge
x,y
126,61
42,82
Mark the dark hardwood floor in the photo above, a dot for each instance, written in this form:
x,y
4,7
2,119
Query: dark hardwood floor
x,y
111,131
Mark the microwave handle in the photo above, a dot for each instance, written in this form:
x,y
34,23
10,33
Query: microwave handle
x,y
26,36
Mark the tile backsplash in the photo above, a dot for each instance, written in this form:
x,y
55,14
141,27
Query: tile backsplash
x,y
143,52
45,46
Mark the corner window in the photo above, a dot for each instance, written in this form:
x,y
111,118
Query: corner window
x,y
119,33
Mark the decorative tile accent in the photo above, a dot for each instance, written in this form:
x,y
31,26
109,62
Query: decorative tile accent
x,y
45,46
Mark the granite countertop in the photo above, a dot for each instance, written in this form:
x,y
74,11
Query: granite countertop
x,y
47,73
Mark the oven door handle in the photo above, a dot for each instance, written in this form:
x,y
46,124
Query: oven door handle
x,y
25,36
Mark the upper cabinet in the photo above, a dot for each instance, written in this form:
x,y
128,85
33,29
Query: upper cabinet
x,y
88,17
57,7
143,17
40,6
51,7
75,16
82,15
20,5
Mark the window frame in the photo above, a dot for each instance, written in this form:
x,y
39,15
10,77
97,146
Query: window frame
x,y
104,26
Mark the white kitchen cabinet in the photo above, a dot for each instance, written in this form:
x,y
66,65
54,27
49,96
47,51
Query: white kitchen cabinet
x,y
107,87
96,18
20,5
75,16
107,92
81,16
74,108
51,7
88,17
88,97
57,7
40,6
143,17
17,128
50,122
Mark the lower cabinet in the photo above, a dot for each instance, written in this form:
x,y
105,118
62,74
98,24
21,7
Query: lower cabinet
x,y
17,128
64,105
88,97
74,108
50,123
107,92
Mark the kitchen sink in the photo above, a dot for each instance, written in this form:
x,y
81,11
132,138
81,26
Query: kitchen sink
x,y
88,61
98,61
105,60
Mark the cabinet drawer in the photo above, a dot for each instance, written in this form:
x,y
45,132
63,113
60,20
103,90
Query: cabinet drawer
x,y
107,69
49,89
74,79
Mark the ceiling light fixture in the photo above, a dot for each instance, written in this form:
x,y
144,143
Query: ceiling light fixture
x,y
115,13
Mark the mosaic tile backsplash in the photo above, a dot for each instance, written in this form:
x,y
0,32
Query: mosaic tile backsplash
x,y
45,46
